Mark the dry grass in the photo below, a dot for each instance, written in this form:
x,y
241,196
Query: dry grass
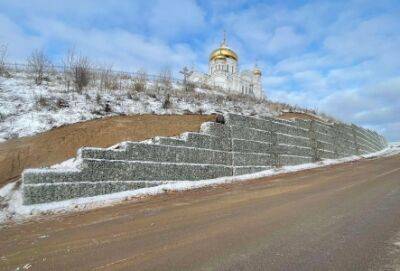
x,y
139,81
78,73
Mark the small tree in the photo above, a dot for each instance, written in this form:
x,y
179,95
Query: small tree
x,y
67,64
3,56
38,64
166,80
81,73
167,102
77,70
108,80
187,85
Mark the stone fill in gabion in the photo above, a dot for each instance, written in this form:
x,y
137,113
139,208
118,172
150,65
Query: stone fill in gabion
x,y
241,145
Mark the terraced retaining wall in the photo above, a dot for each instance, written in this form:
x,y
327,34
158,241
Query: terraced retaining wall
x,y
59,144
240,146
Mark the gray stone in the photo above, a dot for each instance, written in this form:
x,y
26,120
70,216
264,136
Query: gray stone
x,y
240,146
160,153
247,170
40,193
290,160
252,159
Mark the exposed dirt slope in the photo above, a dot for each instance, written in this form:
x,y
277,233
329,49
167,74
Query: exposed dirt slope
x,y
295,115
62,143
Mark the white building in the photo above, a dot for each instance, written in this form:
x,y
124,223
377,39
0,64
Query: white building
x,y
223,72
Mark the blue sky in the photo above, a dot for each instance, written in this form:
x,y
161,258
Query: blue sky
x,y
339,57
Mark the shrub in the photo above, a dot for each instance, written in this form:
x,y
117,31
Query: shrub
x,y
139,81
107,108
42,101
81,73
77,70
38,64
165,80
108,80
61,103
190,86
98,98
167,103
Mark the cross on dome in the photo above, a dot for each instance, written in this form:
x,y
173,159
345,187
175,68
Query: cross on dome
x,y
223,43
223,51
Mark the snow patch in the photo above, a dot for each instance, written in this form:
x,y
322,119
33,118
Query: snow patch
x,y
70,164
14,209
27,109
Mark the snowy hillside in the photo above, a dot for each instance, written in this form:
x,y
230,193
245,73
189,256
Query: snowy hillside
x,y
27,108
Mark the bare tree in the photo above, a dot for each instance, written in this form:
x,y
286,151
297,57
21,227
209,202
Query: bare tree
x,y
3,56
38,64
81,72
187,85
166,79
77,70
108,80
67,64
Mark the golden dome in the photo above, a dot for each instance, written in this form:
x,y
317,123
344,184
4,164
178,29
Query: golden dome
x,y
256,71
222,53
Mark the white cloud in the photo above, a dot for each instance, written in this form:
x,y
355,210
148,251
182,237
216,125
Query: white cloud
x,y
341,57
123,49
173,17
284,38
18,42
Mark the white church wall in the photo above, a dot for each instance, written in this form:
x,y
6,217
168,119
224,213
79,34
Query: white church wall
x,y
223,72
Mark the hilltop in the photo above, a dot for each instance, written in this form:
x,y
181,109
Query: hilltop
x,y
28,107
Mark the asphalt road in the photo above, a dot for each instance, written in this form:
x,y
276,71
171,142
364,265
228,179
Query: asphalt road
x,y
343,217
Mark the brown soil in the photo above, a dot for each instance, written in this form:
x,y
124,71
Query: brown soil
x,y
303,116
62,143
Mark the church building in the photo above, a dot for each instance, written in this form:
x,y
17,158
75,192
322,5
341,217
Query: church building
x,y
223,72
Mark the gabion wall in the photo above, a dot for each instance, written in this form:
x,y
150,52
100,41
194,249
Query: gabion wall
x,y
240,146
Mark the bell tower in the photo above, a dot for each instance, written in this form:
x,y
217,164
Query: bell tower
x,y
257,84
